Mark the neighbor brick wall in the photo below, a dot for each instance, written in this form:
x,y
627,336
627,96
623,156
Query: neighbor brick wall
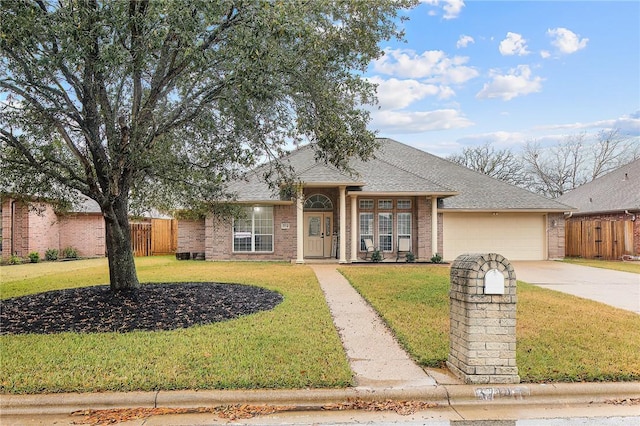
x,y
43,229
84,232
6,228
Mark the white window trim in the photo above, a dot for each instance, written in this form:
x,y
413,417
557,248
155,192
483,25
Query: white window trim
x,y
253,234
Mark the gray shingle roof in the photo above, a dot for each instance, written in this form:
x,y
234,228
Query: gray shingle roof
x,y
402,169
618,190
476,190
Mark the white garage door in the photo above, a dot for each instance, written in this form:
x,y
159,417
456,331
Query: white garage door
x,y
516,236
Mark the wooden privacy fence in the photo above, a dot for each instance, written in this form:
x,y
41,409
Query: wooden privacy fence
x,y
599,239
155,238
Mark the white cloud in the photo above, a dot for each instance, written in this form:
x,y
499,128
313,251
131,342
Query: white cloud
x,y
519,81
627,124
403,122
464,41
452,8
544,54
433,65
398,94
566,41
514,44
499,138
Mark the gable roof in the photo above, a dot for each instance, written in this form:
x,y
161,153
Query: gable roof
x,y
400,169
618,190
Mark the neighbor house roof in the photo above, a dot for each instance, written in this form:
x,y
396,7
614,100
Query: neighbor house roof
x,y
618,190
403,170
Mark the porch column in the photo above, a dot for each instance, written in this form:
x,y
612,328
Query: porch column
x,y
354,228
434,225
300,226
343,227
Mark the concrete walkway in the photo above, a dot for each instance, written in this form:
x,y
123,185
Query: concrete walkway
x,y
615,288
376,358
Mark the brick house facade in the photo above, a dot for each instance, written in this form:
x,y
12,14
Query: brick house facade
x,y
403,192
36,227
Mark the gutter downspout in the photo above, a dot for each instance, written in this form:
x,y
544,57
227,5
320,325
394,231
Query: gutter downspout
x,y
633,216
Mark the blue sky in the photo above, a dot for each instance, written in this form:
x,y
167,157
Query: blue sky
x,y
508,72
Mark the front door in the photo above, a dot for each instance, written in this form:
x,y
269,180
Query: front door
x,y
317,234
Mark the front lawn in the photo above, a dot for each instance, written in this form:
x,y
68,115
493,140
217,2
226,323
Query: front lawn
x,y
559,337
294,345
615,265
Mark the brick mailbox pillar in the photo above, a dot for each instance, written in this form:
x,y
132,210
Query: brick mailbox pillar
x,y
482,313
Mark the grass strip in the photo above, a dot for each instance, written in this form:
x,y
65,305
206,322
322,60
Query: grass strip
x,y
633,266
560,338
294,345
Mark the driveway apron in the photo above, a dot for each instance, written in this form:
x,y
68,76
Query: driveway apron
x,y
615,288
376,358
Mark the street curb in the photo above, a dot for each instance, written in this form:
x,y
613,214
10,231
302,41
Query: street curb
x,y
315,399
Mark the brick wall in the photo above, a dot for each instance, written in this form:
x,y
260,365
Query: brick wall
x,y
555,236
43,229
84,232
191,235
219,237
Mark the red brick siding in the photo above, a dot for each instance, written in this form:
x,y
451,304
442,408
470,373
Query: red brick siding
x,y
43,233
555,236
85,233
191,236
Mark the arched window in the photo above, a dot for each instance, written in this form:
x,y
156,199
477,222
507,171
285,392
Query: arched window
x,y
318,202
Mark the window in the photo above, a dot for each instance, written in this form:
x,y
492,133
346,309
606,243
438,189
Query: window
x,y
366,228
366,204
404,225
404,204
254,232
318,202
385,204
385,231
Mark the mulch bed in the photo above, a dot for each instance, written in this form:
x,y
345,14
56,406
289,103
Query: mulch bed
x,y
153,307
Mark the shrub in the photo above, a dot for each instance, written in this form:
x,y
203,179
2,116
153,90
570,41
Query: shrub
x,y
34,257
51,254
436,258
70,253
15,260
410,257
376,256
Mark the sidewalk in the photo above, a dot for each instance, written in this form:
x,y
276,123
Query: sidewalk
x,y
382,371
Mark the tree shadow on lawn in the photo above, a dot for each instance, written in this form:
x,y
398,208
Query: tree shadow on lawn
x,y
153,307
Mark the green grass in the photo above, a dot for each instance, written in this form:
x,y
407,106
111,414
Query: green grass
x,y
607,264
294,345
559,337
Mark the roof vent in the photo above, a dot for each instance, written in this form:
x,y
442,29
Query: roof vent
x,y
626,176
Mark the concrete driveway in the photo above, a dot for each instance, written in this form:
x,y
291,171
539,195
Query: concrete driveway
x,y
619,289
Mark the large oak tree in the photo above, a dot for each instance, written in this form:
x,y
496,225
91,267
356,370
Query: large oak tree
x,y
162,102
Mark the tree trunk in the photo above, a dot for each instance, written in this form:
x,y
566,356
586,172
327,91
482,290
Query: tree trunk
x,y
122,268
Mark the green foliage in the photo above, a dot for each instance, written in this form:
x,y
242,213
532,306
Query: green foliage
x,y
51,255
376,256
34,257
15,260
70,253
436,258
410,257
167,101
